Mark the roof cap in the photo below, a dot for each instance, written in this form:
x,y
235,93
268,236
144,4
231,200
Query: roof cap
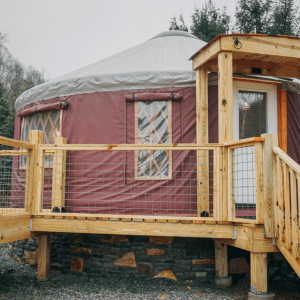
x,y
175,33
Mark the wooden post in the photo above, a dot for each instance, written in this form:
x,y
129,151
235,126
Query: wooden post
x,y
221,265
43,267
36,138
221,259
259,182
271,140
258,265
225,85
59,177
202,137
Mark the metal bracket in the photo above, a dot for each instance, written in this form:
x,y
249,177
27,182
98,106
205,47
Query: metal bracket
x,y
235,233
30,224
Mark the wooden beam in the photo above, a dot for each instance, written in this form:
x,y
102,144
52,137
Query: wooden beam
x,y
225,86
35,138
243,66
251,239
259,182
270,46
59,177
258,266
202,137
268,197
44,247
206,54
221,259
134,228
15,143
245,141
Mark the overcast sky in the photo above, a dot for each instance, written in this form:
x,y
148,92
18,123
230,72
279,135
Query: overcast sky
x,y
61,36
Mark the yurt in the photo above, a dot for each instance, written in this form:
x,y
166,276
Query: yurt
x,y
143,95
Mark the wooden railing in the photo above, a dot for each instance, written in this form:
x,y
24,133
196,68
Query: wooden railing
x,y
286,201
216,198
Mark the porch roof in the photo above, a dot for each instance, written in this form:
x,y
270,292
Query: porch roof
x,y
253,54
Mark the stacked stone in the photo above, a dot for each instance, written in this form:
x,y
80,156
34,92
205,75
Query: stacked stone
x,y
103,255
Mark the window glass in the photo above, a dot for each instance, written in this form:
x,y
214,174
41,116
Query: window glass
x,y
252,114
153,126
48,122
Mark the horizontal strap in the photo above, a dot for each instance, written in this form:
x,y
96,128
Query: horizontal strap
x,y
40,107
153,96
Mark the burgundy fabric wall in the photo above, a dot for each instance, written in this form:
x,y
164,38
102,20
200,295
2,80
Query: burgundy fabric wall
x,y
103,182
293,126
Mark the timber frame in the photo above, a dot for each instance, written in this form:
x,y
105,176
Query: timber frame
x,y
269,232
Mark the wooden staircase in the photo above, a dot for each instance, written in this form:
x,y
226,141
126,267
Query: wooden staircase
x,y
286,193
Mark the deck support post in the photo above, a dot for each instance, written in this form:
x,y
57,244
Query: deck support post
x,y
259,286
44,247
202,137
221,265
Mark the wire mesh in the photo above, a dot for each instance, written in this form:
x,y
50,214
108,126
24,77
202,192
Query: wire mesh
x,y
14,183
108,182
243,195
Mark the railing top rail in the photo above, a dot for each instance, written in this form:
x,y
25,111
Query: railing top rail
x,y
251,140
15,143
287,159
116,147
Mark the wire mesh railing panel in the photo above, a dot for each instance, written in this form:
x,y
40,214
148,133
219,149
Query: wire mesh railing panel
x,y
243,192
14,183
130,182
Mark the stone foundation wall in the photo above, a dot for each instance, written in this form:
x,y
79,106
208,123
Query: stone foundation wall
x,y
106,255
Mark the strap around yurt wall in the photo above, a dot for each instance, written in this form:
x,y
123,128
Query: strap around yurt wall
x,y
40,107
161,96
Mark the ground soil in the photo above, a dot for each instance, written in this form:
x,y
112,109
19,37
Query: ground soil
x,y
19,282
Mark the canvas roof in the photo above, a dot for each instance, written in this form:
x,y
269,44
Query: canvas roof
x,y
159,62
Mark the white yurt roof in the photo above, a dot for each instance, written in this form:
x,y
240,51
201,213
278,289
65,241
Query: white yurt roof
x,y
162,61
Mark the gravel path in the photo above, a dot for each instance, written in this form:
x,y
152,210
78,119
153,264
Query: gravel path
x,y
19,282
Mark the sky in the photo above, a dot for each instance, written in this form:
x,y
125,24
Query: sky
x,y
60,36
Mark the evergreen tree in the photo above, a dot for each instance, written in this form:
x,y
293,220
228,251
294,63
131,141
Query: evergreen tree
x,y
174,25
253,16
285,18
208,21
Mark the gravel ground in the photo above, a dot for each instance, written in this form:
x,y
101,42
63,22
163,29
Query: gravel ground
x,y
19,282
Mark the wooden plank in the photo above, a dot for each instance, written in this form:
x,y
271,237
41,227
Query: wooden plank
x,y
287,215
125,219
13,152
153,220
44,247
224,195
15,143
216,184
36,138
258,270
148,147
225,95
294,262
295,229
221,259
287,159
92,218
275,142
39,180
278,46
245,141
134,228
220,216
202,137
59,177
279,100
230,198
259,182
268,206
206,54
173,217
280,209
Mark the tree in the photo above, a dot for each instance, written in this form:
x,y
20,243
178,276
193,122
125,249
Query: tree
x,y
285,18
253,16
174,25
207,22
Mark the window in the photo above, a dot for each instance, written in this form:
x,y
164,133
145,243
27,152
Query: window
x,y
153,126
252,114
49,122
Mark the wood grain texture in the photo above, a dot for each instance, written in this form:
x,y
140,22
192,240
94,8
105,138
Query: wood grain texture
x,y
221,259
44,247
258,272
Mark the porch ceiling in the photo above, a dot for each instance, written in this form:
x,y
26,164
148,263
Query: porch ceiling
x,y
253,54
